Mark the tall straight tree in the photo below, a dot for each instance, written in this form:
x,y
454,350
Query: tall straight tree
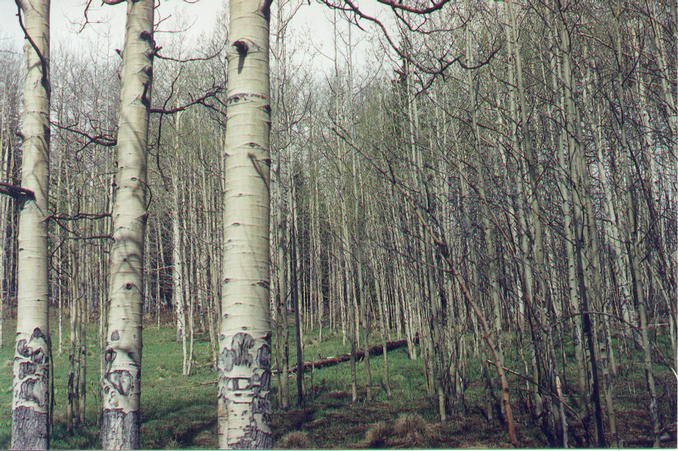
x,y
30,405
244,364
122,354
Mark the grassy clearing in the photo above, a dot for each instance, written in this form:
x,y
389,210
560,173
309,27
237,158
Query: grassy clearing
x,y
180,412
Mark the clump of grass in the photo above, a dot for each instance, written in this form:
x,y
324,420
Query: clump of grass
x,y
172,444
295,440
376,435
411,427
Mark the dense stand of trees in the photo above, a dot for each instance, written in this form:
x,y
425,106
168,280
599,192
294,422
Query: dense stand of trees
x,y
504,184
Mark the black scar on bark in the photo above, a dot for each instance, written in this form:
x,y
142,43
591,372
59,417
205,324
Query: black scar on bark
x,y
46,132
146,36
238,353
226,360
37,333
39,357
22,349
27,392
121,381
26,368
242,48
109,357
146,102
266,380
266,10
115,424
253,384
221,390
264,356
233,384
29,429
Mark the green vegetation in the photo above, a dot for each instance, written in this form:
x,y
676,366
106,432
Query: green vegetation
x,y
180,412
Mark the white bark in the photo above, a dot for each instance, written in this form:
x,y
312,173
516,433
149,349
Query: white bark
x,y
4,217
177,244
244,407
122,355
30,416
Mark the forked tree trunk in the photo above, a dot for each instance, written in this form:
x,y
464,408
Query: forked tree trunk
x,y
30,386
122,355
244,406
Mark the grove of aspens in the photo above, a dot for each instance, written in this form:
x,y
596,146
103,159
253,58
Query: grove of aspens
x,y
338,224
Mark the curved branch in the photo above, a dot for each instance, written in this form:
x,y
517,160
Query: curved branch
x,y
414,9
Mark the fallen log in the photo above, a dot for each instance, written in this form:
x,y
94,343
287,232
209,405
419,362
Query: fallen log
x,y
336,359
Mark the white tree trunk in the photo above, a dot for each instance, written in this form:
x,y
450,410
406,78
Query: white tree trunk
x,y
4,218
30,405
122,355
244,408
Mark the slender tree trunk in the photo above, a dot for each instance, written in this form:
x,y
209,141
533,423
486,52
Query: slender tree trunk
x,y
294,276
5,149
379,288
159,263
82,350
178,299
122,355
244,407
32,359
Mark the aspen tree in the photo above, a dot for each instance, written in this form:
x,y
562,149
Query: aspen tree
x,y
316,267
122,354
5,150
544,357
211,268
633,240
244,407
178,300
32,360
583,221
73,259
159,263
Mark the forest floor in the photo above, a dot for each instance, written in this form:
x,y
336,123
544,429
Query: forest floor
x,y
180,412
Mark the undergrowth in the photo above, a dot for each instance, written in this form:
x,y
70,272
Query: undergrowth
x,y
180,412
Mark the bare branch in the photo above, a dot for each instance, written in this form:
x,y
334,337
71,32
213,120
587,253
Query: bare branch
x,y
18,193
102,140
209,94
414,9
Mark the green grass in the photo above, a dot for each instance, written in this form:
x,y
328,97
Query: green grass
x,y
173,405
180,412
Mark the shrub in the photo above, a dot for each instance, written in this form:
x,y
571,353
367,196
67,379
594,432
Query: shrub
x,y
376,435
295,440
411,427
